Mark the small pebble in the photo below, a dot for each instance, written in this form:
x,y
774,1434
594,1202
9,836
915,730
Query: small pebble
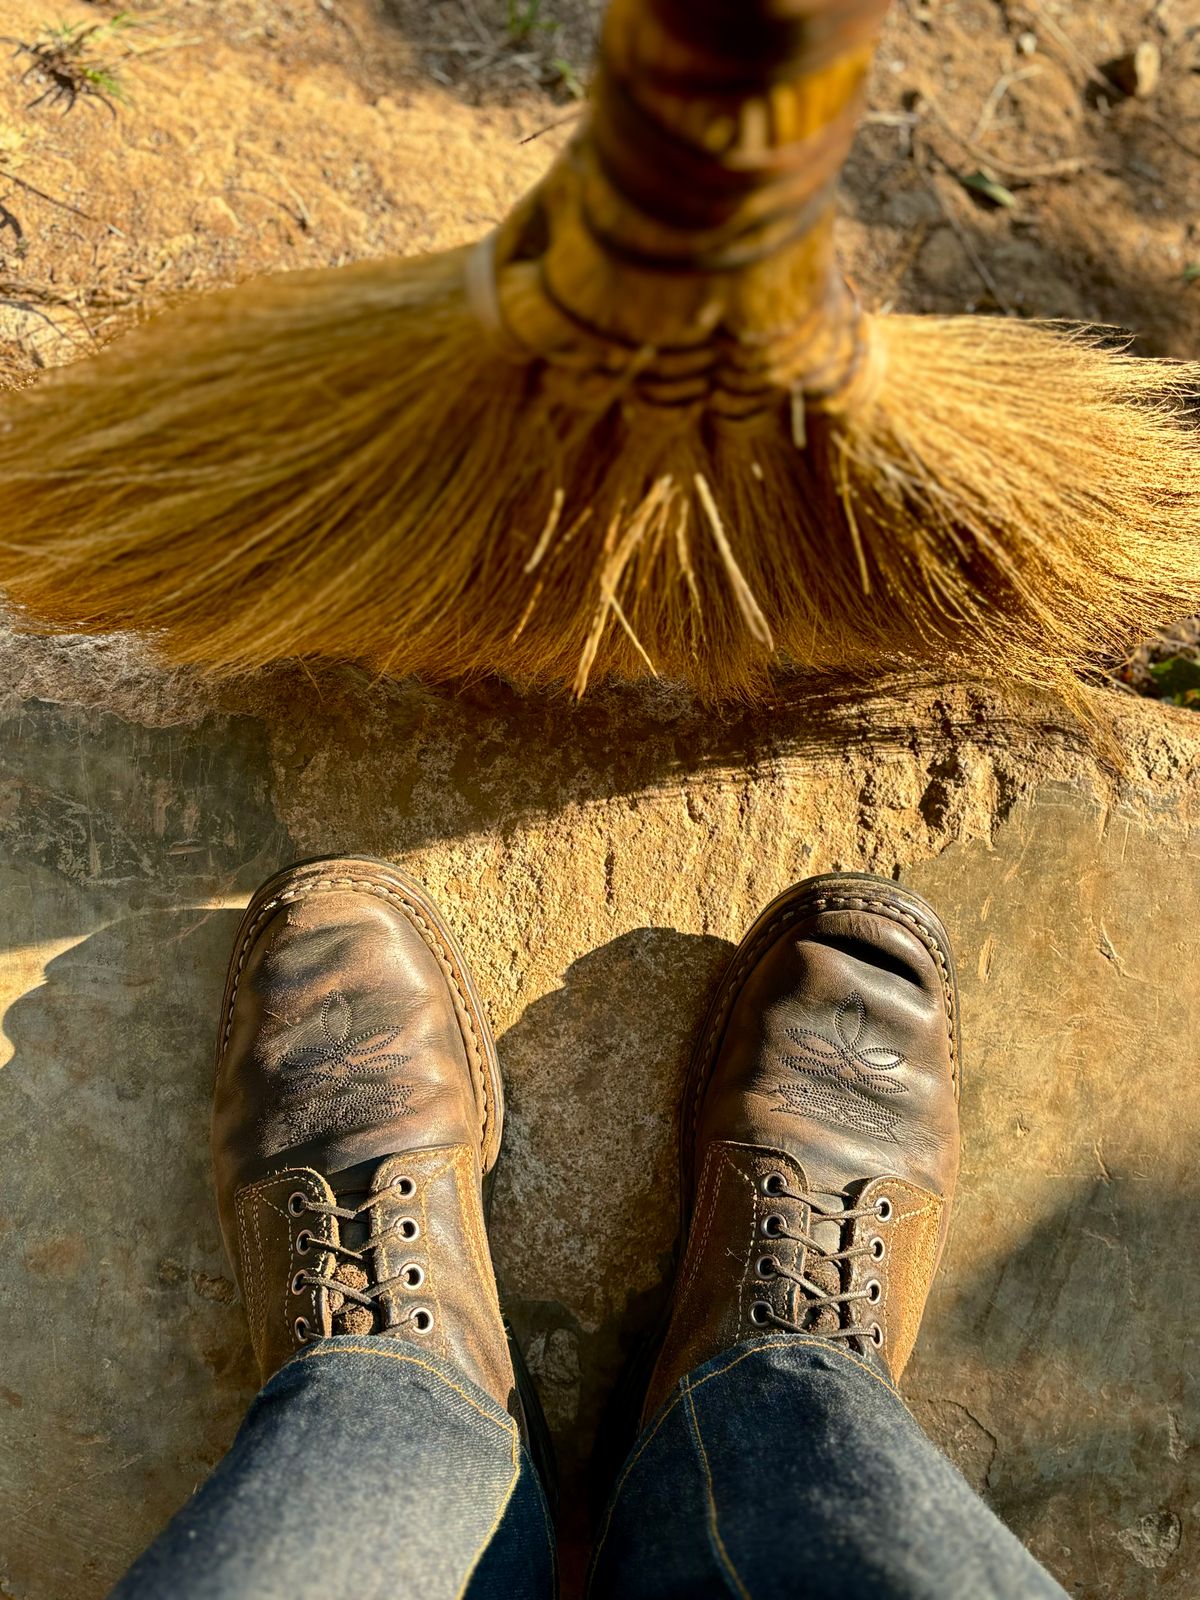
x,y
1137,73
1027,44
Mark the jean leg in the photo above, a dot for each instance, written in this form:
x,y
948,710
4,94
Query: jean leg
x,y
789,1466
362,1468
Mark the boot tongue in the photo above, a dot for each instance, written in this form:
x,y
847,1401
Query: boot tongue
x,y
350,1188
826,1276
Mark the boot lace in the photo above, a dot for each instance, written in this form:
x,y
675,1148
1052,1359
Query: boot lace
x,y
354,1287
825,1300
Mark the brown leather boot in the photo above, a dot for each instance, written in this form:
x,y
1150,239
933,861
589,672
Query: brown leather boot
x,y
819,1130
358,1107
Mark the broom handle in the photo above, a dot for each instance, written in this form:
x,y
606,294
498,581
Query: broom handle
x,y
719,127
784,39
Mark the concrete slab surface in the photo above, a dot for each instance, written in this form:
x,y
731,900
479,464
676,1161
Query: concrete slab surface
x,y
598,864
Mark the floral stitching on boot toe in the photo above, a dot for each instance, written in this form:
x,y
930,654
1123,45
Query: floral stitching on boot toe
x,y
343,1051
848,1074
325,1087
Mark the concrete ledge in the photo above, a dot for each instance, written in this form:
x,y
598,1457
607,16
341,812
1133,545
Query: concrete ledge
x,y
597,864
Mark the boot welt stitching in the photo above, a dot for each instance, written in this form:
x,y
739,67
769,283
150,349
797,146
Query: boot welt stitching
x,y
736,977
428,933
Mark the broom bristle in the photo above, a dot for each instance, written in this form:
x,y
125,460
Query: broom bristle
x,y
337,465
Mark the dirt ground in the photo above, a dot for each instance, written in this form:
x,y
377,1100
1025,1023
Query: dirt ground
x,y
190,144
148,151
227,137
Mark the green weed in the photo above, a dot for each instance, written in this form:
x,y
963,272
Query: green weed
x,y
524,19
71,60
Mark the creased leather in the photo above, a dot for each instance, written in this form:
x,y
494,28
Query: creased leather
x,y
350,1036
830,1058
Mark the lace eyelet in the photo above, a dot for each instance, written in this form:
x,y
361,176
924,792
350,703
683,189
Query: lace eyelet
x,y
298,1283
413,1275
302,1330
298,1203
773,1183
883,1208
875,1334
874,1291
408,1228
760,1313
766,1266
773,1226
405,1187
304,1241
422,1320
878,1248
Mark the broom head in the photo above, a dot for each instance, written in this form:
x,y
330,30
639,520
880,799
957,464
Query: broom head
x,y
643,429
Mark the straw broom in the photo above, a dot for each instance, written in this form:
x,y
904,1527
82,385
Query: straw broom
x,y
643,429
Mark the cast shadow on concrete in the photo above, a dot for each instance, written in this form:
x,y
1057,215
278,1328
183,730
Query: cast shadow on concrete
x,y
1084,1339
409,764
594,1076
202,801
126,1361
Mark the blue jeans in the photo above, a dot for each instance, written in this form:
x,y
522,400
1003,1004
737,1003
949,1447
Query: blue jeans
x,y
788,1466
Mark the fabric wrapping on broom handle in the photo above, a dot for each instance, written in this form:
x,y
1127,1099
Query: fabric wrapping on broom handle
x,y
721,126
768,41
684,242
